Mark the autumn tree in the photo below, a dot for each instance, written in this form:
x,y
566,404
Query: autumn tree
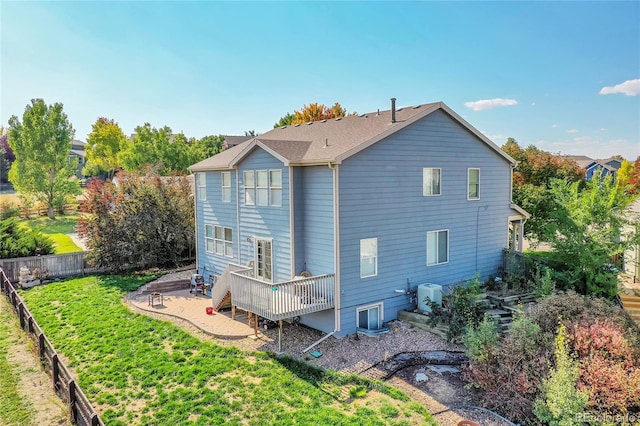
x,y
41,144
312,112
532,179
628,176
104,144
144,220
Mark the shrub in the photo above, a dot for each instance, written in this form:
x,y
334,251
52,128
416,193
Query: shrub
x,y
609,367
560,400
18,242
482,342
510,378
8,209
459,309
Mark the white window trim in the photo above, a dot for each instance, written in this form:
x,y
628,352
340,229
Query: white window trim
x,y
427,248
255,258
271,188
212,238
468,182
222,174
223,241
424,169
253,187
379,305
258,188
201,183
375,265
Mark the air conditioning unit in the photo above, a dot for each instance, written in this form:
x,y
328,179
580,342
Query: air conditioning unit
x,y
433,292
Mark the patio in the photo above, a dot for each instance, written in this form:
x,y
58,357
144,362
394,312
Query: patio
x,y
193,308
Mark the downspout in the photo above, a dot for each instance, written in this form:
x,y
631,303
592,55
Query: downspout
x,y
336,257
292,224
195,212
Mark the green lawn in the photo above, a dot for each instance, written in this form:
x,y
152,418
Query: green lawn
x,y
141,371
57,229
14,408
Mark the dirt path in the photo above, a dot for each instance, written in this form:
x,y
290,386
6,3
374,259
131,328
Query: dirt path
x,y
34,384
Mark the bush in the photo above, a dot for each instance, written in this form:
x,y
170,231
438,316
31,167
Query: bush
x,y
482,342
459,310
8,209
18,242
511,377
609,367
561,401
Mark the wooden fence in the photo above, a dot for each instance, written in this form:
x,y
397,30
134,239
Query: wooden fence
x,y
81,411
49,266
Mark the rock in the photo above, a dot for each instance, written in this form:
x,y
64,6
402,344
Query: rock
x,y
421,377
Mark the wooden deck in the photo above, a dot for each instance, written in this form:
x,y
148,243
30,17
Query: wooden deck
x,y
276,301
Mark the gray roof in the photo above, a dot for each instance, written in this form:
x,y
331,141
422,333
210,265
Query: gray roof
x,y
333,140
582,160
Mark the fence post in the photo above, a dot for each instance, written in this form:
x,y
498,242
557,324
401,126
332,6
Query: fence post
x,y
41,346
56,371
73,409
94,419
30,324
21,315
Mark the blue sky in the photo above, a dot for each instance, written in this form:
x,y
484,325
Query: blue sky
x,y
564,76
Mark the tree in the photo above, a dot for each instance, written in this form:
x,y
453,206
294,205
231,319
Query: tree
x,y
41,145
144,220
531,182
104,143
19,242
629,176
207,147
287,120
586,230
312,112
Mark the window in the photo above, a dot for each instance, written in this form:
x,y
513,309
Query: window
x,y
201,183
474,184
249,188
222,241
264,260
226,186
275,188
208,239
368,257
262,188
437,247
430,182
369,317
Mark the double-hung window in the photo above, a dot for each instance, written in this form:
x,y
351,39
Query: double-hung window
x,y
201,183
368,257
275,188
262,188
223,241
249,188
473,180
430,181
437,247
208,239
226,186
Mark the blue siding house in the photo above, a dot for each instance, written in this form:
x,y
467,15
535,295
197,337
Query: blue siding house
x,y
335,222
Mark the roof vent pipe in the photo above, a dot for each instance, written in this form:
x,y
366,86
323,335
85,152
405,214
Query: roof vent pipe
x,y
393,110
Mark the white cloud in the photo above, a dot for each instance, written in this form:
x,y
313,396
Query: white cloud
x,y
483,104
533,104
572,131
603,129
553,126
628,88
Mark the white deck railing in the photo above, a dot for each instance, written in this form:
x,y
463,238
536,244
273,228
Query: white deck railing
x,y
282,300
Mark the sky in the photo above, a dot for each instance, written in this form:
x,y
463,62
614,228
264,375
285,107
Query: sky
x,y
563,76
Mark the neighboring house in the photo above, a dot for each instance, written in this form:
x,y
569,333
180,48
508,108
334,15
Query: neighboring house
x,y
631,262
334,221
230,141
608,166
77,151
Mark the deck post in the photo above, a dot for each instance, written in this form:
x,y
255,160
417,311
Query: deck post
x,y
279,336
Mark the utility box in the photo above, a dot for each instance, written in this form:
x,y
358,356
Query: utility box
x,y
433,292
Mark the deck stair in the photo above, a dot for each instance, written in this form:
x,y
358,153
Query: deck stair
x,y
631,304
221,292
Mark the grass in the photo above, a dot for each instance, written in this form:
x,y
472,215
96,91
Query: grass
x,y
141,371
57,229
15,409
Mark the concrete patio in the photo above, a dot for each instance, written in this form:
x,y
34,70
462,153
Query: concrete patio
x,y
193,308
